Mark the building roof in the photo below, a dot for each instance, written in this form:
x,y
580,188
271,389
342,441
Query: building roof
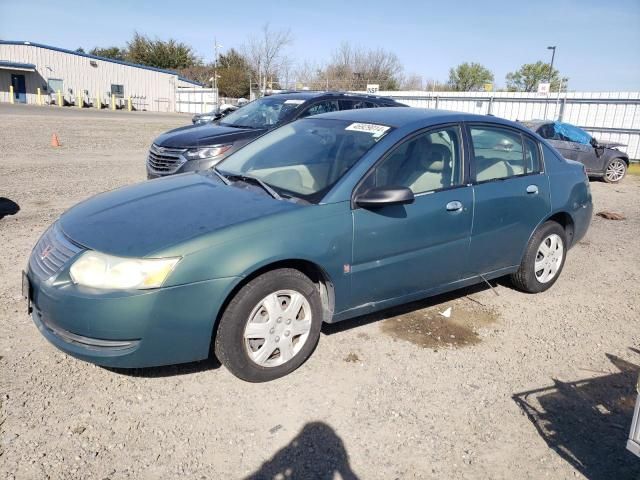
x,y
96,57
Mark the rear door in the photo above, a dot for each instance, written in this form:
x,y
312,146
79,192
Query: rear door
x,y
399,250
511,195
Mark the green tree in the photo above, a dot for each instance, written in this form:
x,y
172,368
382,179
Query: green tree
x,y
116,53
469,77
158,53
529,75
233,74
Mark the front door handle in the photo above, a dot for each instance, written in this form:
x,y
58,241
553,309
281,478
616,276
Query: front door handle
x,y
454,206
532,189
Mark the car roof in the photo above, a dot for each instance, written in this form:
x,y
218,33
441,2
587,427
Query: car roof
x,y
313,94
417,117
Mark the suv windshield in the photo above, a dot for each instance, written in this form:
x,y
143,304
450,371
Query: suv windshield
x,y
263,113
306,158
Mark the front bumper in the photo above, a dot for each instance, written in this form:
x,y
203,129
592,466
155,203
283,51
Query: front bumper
x,y
129,329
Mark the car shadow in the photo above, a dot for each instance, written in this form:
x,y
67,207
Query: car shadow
x,y
8,207
317,452
332,328
210,363
587,421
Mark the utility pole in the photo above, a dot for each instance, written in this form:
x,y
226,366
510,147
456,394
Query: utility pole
x,y
215,68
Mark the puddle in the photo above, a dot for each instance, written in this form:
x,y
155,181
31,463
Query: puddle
x,y
428,329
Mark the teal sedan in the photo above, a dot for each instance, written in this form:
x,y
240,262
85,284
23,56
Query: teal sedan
x,y
321,220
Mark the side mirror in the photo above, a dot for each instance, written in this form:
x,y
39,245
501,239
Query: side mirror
x,y
594,143
383,196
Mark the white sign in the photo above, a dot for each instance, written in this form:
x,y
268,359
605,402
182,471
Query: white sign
x,y
376,131
544,88
373,88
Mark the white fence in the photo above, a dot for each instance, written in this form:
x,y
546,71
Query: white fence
x,y
195,100
608,116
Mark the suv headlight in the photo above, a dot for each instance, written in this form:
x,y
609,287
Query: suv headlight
x,y
206,152
98,270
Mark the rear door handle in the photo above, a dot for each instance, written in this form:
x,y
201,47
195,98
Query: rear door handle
x,y
454,206
532,189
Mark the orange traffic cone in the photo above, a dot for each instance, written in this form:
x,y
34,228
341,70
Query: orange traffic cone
x,y
55,142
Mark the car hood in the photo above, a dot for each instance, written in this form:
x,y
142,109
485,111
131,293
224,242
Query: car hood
x,y
192,136
138,220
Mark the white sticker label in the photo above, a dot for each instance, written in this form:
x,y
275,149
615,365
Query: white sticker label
x,y
293,102
375,130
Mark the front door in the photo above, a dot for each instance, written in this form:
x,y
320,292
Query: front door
x,y
404,249
19,88
511,196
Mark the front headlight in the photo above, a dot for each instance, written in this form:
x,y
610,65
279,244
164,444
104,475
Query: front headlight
x,y
206,152
97,270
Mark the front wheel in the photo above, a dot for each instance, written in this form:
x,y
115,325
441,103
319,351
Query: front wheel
x,y
544,259
615,171
270,327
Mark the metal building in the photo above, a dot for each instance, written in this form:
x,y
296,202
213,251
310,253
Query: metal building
x,y
41,74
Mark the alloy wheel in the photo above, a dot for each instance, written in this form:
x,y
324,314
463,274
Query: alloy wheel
x,y
615,170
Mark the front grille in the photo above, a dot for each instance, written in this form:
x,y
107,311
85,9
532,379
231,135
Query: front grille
x,y
52,252
165,161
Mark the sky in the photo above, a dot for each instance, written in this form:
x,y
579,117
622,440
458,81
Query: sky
x,y
598,42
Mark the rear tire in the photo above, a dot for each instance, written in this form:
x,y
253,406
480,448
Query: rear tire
x,y
543,260
615,170
270,327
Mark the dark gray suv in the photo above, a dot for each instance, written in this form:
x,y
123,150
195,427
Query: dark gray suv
x,y
601,159
199,147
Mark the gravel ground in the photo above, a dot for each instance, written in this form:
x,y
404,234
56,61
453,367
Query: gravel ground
x,y
511,386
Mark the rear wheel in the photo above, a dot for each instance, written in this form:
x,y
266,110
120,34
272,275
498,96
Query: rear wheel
x,y
544,259
270,327
615,171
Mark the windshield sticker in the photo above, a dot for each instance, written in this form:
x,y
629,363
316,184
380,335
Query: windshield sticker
x,y
293,102
376,131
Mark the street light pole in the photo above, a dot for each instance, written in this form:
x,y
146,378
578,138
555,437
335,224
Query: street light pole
x,y
553,55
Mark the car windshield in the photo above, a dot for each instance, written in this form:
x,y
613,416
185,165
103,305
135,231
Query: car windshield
x,y
263,113
306,158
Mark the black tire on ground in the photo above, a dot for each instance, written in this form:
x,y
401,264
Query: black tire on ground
x,y
229,341
525,278
621,167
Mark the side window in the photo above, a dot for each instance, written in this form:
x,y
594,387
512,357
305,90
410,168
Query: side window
x,y
355,104
531,156
497,153
320,107
427,162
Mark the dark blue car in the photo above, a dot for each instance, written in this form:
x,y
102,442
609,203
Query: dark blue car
x,y
321,220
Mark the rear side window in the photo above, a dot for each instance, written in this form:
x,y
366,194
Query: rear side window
x,y
355,104
532,162
498,153
320,107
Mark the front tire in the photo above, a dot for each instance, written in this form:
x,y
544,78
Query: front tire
x,y
615,171
270,327
543,260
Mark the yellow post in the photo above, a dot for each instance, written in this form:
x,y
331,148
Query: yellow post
x,y
59,98
113,102
129,103
79,101
98,102
39,97
11,96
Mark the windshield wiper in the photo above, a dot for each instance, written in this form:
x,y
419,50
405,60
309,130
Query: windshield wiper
x,y
257,181
221,176
233,125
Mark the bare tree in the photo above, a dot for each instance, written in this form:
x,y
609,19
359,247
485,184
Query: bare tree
x,y
265,53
